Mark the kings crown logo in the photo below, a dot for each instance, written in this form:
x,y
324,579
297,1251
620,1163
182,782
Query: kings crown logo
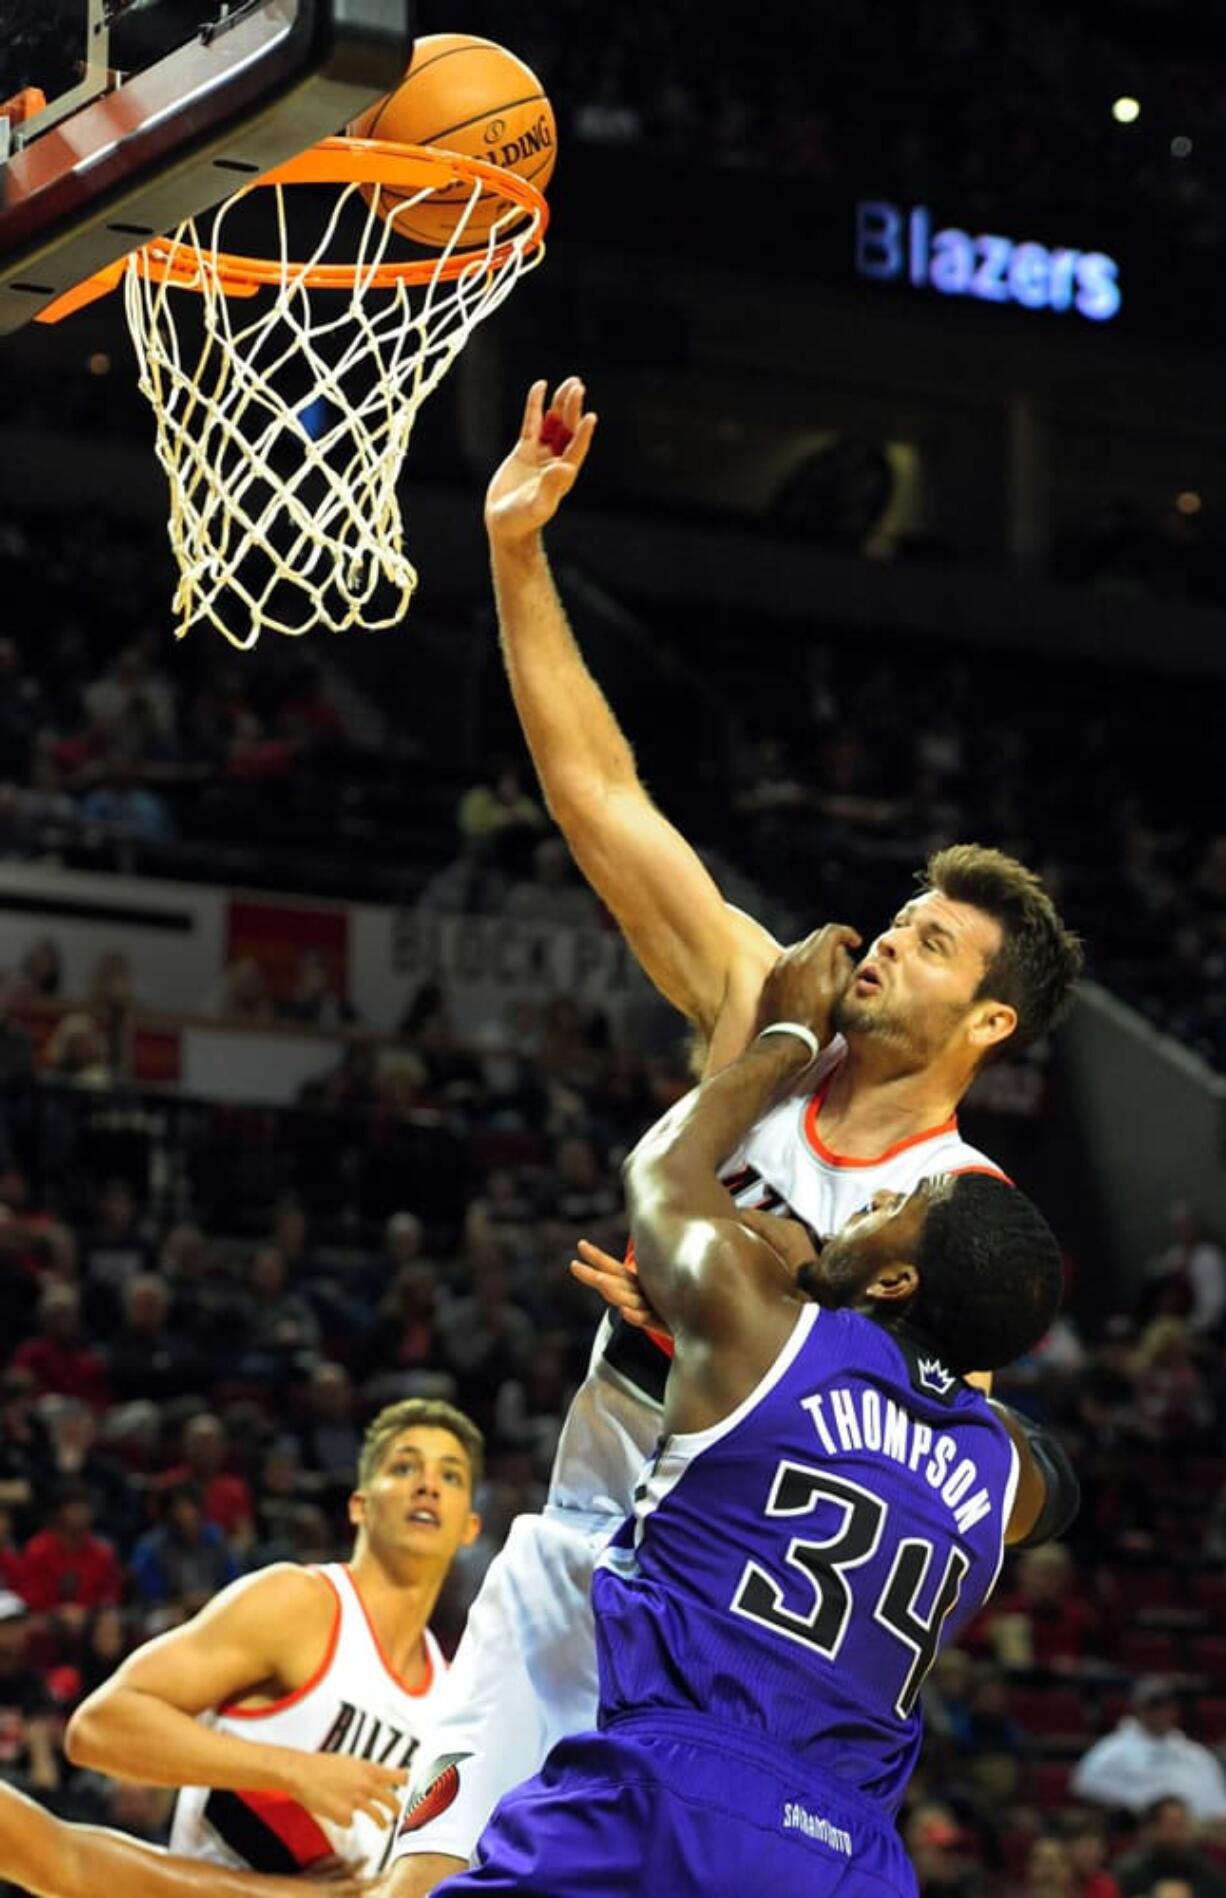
x,y
933,1375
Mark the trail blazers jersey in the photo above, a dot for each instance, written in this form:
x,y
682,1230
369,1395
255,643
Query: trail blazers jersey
x,y
354,1704
783,1166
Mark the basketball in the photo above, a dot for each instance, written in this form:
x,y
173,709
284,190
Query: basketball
x,y
470,96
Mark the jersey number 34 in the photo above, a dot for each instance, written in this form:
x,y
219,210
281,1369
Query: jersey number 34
x,y
796,1491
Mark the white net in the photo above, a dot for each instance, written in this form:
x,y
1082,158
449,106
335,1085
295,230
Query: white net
x,y
283,416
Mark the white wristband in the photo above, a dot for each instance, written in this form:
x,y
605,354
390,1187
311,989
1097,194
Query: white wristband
x,y
799,1030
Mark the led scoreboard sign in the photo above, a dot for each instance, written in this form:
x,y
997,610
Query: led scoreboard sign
x,y
897,245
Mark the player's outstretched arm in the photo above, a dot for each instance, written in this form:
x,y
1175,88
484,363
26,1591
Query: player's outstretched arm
x,y
691,944
46,1856
268,1630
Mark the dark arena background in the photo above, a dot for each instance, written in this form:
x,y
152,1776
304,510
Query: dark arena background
x,y
905,524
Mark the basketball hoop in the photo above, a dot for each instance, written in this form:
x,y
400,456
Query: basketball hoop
x,y
283,430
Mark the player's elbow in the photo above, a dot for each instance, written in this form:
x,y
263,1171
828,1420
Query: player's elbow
x,y
86,1736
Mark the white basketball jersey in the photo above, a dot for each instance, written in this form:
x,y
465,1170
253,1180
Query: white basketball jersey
x,y
782,1166
354,1704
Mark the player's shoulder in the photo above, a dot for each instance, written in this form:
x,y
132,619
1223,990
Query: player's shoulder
x,y
895,1356
284,1590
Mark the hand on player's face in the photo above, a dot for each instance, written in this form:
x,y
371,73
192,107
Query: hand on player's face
x,y
540,470
809,979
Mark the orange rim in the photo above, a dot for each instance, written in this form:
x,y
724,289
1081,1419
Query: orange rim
x,y
334,161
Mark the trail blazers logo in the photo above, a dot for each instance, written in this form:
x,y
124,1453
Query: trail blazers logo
x,y
442,1783
933,1375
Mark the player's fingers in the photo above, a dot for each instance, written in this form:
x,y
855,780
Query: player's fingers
x,y
534,408
594,1256
572,402
576,449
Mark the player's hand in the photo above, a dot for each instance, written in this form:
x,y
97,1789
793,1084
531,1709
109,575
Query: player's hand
x,y
618,1284
810,978
540,470
334,1872
335,1787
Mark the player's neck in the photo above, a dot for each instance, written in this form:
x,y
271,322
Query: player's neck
x,y
399,1602
869,1106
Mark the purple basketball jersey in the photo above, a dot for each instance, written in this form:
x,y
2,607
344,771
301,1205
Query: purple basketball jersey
x,y
792,1572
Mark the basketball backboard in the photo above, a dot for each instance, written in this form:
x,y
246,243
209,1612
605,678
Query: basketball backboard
x,y
127,116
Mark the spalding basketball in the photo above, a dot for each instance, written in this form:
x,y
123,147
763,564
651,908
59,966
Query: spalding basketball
x,y
470,96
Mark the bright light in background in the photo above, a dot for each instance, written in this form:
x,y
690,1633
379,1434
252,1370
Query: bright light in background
x,y
1181,147
99,364
1189,502
1126,111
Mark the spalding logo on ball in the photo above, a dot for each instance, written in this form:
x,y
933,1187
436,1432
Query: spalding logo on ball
x,y
465,95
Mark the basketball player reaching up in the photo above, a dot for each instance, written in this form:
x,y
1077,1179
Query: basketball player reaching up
x,y
976,958
828,1505
291,1707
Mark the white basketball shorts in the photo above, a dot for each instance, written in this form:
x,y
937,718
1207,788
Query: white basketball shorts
x,y
524,1677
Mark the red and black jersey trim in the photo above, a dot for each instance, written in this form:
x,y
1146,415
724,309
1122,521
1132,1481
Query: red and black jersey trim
x,y
641,1358
269,1832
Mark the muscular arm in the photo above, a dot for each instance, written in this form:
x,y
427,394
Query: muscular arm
x,y
692,945
685,1224
42,1854
141,1723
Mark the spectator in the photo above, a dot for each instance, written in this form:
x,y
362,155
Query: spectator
x,y
1190,1275
41,969
314,998
106,1642
184,1561
529,1409
67,1569
25,1701
330,1439
1049,1871
1166,1850
1085,1836
499,806
486,1338
242,994
225,1496
16,1046
75,1458
1045,1620
553,894
280,1325
61,1364
10,1555
126,808
131,680
1172,1403
941,1854
407,1337
147,1358
25,1447
115,1251
76,1053
988,1741
1146,1758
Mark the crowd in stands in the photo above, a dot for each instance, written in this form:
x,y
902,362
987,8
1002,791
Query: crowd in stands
x,y
1015,108
291,773
188,1368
